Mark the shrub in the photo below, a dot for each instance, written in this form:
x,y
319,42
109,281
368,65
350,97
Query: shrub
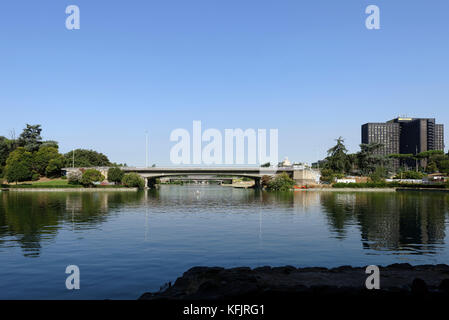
x,y
281,182
74,177
90,176
409,175
265,180
35,176
379,175
53,169
133,180
115,175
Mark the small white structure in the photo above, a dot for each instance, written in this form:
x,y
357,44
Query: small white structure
x,y
286,162
346,180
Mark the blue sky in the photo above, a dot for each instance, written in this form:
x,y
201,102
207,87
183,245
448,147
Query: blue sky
x,y
308,68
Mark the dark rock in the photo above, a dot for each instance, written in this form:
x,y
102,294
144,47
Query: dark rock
x,y
419,286
288,281
444,286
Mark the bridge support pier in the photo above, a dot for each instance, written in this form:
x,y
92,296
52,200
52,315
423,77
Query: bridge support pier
x,y
146,182
257,183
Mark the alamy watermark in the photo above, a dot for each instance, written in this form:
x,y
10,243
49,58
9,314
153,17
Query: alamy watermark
x,y
73,280
236,146
72,22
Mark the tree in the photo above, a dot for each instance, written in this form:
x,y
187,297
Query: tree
x,y
53,169
281,182
42,158
444,166
337,159
74,177
19,165
31,138
4,151
50,143
115,175
367,158
133,180
90,176
379,174
86,158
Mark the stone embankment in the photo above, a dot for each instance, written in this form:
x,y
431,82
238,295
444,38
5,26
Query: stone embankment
x,y
216,283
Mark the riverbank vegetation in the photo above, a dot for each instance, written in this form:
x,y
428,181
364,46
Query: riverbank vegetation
x,y
30,158
369,162
281,182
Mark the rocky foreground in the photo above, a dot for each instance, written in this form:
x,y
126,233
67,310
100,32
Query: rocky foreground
x,y
215,283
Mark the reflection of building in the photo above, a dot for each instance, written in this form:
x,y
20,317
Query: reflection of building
x,y
397,222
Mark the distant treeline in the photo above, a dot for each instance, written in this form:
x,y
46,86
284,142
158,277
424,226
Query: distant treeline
x,y
29,157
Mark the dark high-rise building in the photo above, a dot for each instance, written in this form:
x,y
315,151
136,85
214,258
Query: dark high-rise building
x,y
405,135
388,134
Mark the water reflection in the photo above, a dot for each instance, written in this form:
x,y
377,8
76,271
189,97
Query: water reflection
x,y
32,218
407,222
403,221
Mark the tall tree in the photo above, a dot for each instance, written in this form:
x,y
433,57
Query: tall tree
x,y
31,138
337,159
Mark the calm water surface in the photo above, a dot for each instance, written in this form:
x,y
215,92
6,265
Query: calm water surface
x,y
128,243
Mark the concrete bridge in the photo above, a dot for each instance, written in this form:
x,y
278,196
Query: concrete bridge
x,y
300,175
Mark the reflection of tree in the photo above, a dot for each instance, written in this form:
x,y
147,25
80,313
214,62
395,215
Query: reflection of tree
x,y
392,221
34,218
339,209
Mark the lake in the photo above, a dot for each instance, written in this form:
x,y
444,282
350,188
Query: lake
x,y
128,243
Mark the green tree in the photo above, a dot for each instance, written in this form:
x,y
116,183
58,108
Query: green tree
x,y
444,166
281,182
337,159
31,138
368,159
43,156
133,180
86,158
4,151
115,175
90,176
409,175
53,169
19,165
378,175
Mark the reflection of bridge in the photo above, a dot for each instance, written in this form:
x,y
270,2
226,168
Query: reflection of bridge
x,y
197,178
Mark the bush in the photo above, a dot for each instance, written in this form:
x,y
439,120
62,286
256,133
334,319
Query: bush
x,y
90,176
281,182
35,176
379,175
115,175
74,177
409,175
133,180
54,167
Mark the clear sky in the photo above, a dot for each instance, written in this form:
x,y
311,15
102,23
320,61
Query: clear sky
x,y
308,68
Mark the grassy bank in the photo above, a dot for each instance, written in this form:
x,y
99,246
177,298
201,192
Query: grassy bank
x,y
55,184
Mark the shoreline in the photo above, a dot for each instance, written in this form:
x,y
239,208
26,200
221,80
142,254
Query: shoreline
x,y
349,189
69,189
